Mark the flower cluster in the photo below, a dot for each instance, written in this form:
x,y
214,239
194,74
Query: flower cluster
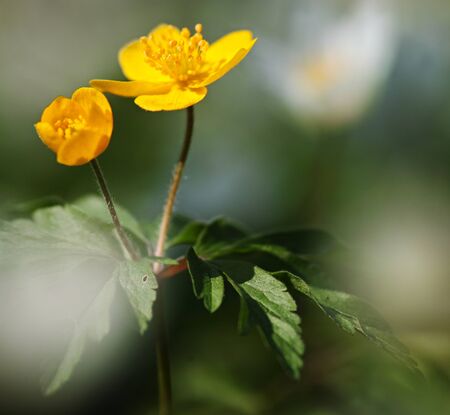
x,y
169,69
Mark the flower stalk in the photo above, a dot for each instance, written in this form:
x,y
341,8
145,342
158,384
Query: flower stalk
x,y
126,243
174,186
162,351
167,70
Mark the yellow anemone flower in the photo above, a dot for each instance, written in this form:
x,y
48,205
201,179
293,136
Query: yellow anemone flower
x,y
77,129
170,69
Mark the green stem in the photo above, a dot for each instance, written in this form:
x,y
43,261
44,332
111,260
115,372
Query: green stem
x,y
174,186
112,210
162,351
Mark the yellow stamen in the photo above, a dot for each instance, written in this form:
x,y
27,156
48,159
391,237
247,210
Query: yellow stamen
x,y
185,32
177,53
67,126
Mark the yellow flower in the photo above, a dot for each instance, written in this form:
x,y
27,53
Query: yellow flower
x,y
77,129
170,69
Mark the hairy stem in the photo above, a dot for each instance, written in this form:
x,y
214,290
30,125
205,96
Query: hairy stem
x,y
112,210
162,352
174,186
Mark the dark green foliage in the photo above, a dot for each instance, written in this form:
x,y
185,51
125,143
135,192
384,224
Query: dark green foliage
x,y
266,303
299,251
70,241
207,281
217,238
353,315
188,232
259,269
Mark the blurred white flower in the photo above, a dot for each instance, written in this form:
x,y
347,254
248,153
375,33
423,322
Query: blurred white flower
x,y
333,63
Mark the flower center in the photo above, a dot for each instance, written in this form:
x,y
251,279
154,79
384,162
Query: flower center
x,y
322,73
67,126
177,53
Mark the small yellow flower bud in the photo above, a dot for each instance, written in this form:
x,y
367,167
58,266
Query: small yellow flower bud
x,y
77,129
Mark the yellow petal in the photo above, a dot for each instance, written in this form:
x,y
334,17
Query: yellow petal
x,y
228,52
59,108
89,97
227,46
82,147
177,99
97,108
227,67
48,135
132,60
130,88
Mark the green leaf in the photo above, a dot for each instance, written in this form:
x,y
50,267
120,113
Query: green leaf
x,y
288,257
93,324
353,315
304,251
62,242
182,231
187,235
58,231
299,241
207,281
217,237
266,302
95,207
29,206
139,283
276,257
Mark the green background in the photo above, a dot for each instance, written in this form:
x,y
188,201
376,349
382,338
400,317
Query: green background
x,y
379,183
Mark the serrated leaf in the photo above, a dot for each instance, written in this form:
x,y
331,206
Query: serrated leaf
x,y
303,251
207,281
139,283
95,207
266,302
353,314
56,231
93,324
216,237
52,248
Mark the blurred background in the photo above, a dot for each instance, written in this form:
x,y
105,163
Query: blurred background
x,y
339,118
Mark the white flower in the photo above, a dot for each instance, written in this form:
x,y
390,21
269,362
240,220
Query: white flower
x,y
333,64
